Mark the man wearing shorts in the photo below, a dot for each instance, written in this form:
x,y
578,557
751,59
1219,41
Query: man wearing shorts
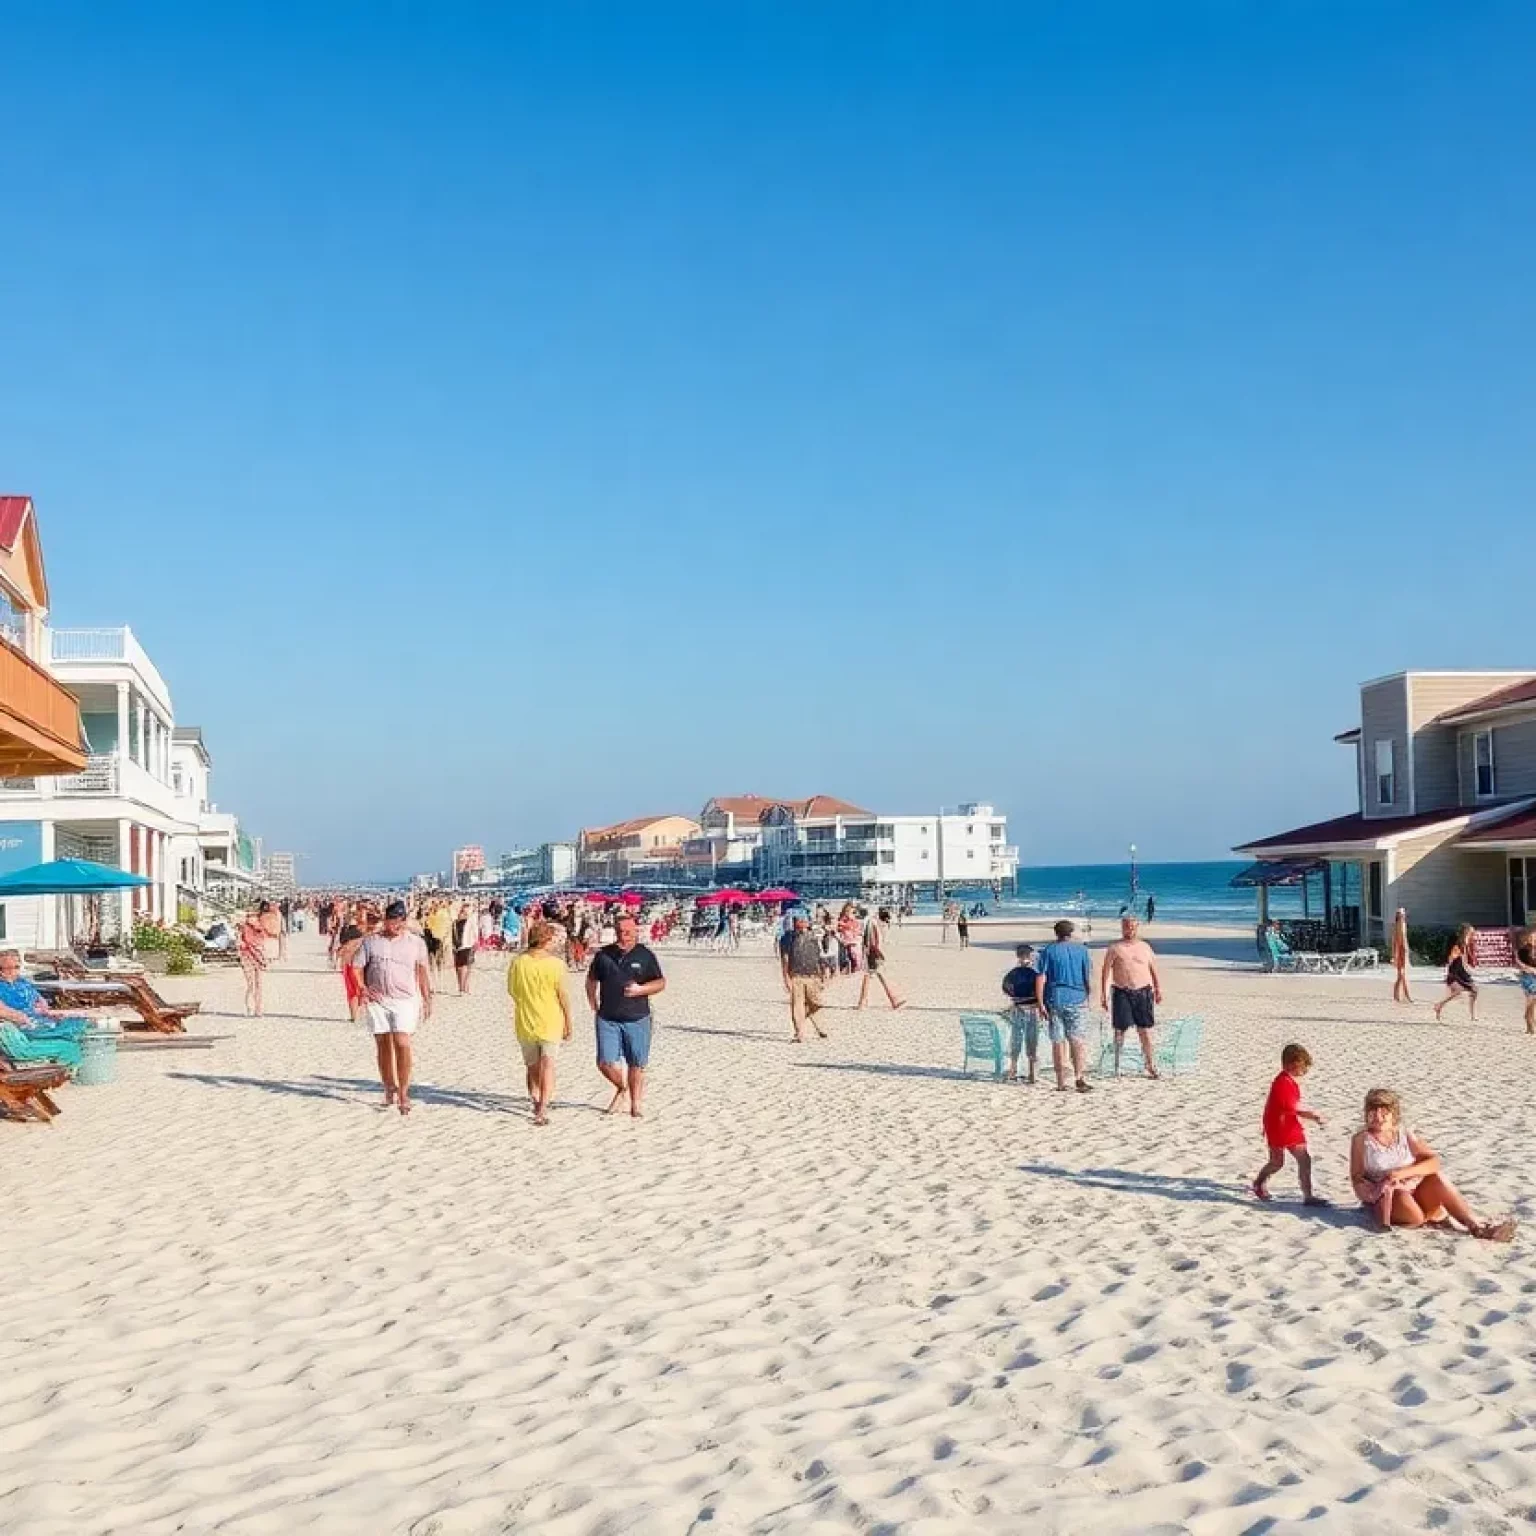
x,y
800,963
1129,988
1061,994
1019,987
625,976
391,967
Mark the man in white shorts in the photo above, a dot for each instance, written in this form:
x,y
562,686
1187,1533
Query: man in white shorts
x,y
391,969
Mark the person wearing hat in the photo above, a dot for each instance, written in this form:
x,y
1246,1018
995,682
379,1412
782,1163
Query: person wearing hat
x,y
391,968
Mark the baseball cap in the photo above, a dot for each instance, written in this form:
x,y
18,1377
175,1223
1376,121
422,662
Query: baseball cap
x,y
395,909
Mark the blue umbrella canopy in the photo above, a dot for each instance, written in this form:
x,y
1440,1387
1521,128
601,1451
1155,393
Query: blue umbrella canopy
x,y
68,877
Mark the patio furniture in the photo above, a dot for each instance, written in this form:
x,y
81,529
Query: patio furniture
x,y
77,988
1175,1047
983,1041
27,1092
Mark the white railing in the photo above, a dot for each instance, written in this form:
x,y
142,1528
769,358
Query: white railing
x,y
1005,851
98,778
119,644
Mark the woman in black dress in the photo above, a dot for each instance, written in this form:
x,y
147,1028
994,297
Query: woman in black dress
x,y
1458,979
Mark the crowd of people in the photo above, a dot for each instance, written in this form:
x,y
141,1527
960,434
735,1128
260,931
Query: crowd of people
x,y
389,955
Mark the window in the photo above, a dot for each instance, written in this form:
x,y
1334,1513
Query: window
x,y
925,853
970,853
995,831
887,856
1386,779
1482,758
176,781
969,828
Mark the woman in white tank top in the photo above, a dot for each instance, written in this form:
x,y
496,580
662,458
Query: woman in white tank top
x,y
1397,1177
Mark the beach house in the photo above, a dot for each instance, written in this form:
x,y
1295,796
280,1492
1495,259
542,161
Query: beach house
x,y
120,807
215,864
1445,820
629,850
731,829
823,847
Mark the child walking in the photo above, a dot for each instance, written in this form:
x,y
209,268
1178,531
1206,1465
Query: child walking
x,y
1283,1128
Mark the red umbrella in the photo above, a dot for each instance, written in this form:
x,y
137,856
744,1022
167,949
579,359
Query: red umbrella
x,y
734,898
631,898
778,895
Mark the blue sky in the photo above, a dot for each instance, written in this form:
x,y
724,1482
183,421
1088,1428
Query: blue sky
x,y
497,419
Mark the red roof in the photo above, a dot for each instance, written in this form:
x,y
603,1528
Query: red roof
x,y
13,515
1502,698
1510,829
754,807
1361,829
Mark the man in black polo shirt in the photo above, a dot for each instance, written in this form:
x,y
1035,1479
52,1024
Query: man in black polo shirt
x,y
624,977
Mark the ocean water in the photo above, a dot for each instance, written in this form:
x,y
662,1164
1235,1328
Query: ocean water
x,y
1186,893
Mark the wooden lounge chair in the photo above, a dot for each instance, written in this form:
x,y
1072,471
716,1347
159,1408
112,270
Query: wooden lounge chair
x,y
97,988
25,1093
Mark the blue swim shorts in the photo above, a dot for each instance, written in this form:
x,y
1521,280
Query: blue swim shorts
x,y
629,1043
1069,1021
1023,1030
1528,984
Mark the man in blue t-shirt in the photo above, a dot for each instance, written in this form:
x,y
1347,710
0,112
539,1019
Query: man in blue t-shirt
x,y
1061,993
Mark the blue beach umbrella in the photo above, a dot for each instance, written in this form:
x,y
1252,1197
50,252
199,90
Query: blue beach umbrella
x,y
68,877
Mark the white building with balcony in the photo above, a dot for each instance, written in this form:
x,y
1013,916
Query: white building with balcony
x,y
834,855
215,866
122,809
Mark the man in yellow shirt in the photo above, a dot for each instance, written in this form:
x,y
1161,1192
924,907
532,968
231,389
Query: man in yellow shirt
x,y
541,1014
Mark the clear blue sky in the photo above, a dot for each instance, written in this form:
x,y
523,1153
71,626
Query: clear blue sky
x,y
494,419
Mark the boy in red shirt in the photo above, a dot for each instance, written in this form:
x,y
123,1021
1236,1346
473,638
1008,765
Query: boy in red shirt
x,y
1283,1130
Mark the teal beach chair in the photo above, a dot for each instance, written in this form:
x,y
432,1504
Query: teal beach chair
x,y
1175,1048
983,1041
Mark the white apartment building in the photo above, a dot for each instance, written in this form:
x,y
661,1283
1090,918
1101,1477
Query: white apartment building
x,y
837,854
122,808
281,873
548,864
215,866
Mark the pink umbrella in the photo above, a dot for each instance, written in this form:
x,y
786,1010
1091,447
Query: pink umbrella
x,y
711,899
777,895
631,898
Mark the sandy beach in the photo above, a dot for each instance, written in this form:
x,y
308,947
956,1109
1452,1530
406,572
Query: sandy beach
x,y
826,1288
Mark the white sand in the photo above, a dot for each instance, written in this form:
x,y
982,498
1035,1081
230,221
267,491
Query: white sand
x,y
827,1288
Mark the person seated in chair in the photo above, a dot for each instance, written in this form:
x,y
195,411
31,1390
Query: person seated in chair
x,y
22,1004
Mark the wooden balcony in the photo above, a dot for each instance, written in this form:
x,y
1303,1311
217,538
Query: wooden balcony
x,y
39,720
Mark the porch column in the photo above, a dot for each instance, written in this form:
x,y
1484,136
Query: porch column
x,y
124,861
48,906
122,722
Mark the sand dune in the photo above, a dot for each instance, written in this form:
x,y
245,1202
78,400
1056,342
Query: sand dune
x,y
828,1288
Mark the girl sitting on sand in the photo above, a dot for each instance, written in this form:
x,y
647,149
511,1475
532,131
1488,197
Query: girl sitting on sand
x,y
1397,1176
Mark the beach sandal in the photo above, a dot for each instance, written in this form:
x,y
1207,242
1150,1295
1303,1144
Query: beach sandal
x,y
1259,1192
1502,1231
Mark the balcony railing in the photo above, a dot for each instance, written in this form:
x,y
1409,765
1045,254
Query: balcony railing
x,y
100,777
118,644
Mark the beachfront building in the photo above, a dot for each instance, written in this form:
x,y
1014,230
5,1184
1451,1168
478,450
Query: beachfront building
x,y
826,848
1445,820
731,830
632,850
215,865
548,864
281,873
120,808
466,862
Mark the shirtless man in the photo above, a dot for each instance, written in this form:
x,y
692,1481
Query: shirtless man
x,y
1130,976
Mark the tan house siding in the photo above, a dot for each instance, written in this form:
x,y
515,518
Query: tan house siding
x,y
1440,883
1436,781
1514,759
1384,716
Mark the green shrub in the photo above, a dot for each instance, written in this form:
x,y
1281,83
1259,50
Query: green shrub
x,y
148,936
1430,946
186,914
179,962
